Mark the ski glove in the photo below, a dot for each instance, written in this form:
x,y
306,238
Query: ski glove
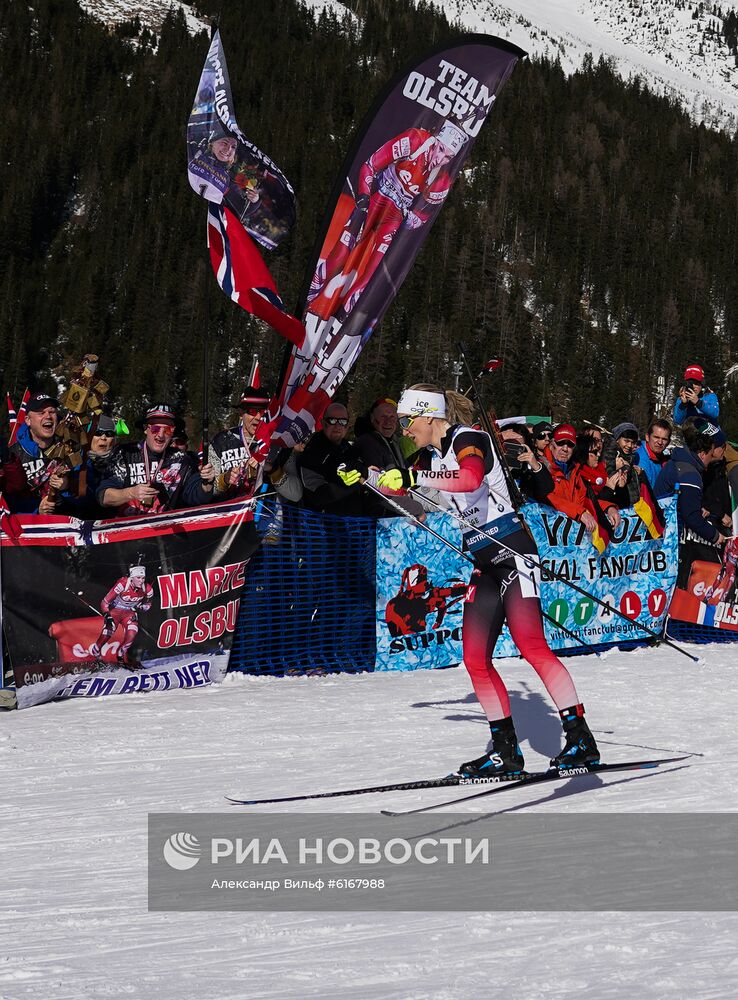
x,y
397,479
109,622
349,477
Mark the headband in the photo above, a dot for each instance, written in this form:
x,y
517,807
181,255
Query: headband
x,y
416,403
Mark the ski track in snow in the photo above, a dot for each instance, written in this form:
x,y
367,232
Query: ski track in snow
x,y
81,776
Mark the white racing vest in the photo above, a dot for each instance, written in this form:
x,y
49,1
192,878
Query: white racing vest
x,y
488,508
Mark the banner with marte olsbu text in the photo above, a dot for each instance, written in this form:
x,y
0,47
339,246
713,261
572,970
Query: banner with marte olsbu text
x,y
126,605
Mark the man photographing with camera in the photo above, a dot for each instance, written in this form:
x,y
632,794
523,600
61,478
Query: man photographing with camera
x,y
694,398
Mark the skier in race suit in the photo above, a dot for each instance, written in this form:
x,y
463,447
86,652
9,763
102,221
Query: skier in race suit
x,y
724,587
120,607
402,182
461,464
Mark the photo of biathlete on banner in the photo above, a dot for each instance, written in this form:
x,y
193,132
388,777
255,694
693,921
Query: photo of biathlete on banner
x,y
225,168
423,584
122,607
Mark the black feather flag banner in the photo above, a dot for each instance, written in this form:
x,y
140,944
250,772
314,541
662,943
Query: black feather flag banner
x,y
403,162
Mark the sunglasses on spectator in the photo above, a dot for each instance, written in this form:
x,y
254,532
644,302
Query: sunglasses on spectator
x,y
332,421
104,434
543,434
166,429
564,444
253,411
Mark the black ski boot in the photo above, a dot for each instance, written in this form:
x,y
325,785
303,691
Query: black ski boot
x,y
504,762
581,748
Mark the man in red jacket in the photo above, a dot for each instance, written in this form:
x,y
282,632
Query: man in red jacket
x,y
571,493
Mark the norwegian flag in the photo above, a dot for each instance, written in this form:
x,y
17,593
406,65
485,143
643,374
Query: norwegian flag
x,y
17,421
243,275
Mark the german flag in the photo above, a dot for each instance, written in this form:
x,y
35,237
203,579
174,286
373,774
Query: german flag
x,y
647,508
601,535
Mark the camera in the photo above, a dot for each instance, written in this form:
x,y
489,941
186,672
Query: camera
x,y
513,451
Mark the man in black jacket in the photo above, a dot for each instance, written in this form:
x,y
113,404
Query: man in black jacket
x,y
326,450
152,475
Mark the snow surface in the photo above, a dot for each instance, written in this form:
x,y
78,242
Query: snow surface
x,y
80,777
656,40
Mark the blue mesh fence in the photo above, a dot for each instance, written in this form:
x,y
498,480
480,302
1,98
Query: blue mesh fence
x,y
309,599
690,632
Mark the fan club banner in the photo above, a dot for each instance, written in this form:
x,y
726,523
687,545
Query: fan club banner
x,y
118,607
421,585
401,167
225,168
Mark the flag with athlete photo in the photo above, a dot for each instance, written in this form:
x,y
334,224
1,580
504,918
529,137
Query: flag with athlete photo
x,y
403,162
243,275
225,168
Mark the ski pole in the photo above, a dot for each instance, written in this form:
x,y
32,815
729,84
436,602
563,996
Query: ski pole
x,y
420,524
562,579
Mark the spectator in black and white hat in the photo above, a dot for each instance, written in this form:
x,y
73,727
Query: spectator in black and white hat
x,y
232,450
151,475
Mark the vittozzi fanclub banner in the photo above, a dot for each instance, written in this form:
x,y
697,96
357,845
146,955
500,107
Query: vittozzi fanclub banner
x,y
116,607
422,583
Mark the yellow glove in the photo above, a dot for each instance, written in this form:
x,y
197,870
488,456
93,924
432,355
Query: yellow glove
x,y
396,479
349,477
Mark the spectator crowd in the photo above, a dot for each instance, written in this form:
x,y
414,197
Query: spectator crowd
x,y
588,473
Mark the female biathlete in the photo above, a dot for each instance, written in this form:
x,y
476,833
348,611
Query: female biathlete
x,y
460,463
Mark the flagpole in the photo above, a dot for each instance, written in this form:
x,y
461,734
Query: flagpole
x,y
206,376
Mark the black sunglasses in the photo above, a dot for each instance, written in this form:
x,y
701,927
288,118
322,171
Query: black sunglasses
x,y
104,434
565,444
543,434
332,421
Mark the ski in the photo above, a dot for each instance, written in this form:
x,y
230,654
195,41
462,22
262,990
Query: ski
x,y
452,780
538,777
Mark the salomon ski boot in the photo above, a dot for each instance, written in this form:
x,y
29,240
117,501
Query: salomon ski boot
x,y
581,748
504,762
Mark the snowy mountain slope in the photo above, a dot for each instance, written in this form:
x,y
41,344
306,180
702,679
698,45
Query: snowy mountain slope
x,y
659,41
674,46
150,12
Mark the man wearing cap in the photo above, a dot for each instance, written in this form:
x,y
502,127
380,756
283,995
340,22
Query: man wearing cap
x,y
34,438
378,446
151,475
694,398
620,461
81,501
705,444
542,433
231,451
571,494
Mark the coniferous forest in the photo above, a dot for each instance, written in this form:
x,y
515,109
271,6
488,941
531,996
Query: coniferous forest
x,y
592,245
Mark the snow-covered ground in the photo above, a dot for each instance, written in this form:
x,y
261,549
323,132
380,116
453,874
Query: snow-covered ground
x,y
80,777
